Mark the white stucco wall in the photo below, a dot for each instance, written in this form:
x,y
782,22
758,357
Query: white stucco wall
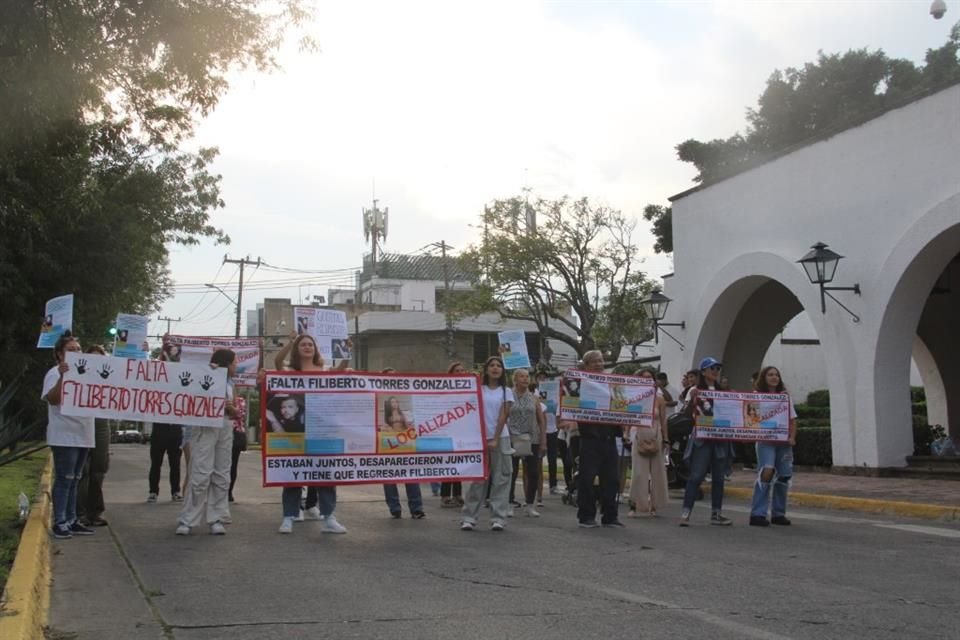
x,y
880,194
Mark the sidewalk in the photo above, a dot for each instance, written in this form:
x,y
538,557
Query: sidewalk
x,y
911,497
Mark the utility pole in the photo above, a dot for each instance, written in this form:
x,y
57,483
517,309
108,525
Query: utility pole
x,y
168,321
448,316
242,262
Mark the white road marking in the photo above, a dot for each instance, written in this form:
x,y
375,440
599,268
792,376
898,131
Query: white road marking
x,y
917,528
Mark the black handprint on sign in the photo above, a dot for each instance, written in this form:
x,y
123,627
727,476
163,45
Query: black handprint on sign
x,y
105,371
206,383
81,366
185,378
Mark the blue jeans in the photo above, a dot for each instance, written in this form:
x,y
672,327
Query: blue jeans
x,y
327,500
777,458
706,455
67,470
414,497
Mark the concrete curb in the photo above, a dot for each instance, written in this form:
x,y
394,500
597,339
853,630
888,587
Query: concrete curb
x,y
865,505
26,601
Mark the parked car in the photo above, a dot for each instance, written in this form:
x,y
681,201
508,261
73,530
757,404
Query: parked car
x,y
129,435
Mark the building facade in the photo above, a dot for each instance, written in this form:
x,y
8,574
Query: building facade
x,y
885,194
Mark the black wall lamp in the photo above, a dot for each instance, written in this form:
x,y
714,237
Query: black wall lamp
x,y
820,264
655,306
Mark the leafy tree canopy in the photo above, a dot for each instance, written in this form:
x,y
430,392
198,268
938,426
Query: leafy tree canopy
x,y
99,97
566,265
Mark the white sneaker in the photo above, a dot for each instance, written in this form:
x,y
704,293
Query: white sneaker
x,y
509,512
227,519
330,525
531,512
183,530
299,516
151,497
466,526
313,513
217,529
286,526
497,526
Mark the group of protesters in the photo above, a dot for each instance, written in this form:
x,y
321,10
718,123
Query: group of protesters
x,y
518,430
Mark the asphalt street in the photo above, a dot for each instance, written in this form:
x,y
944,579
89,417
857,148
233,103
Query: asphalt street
x,y
830,575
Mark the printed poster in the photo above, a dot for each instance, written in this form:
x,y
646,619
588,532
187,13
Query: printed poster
x,y
57,318
198,349
328,328
334,427
745,417
606,398
513,350
549,391
131,336
143,390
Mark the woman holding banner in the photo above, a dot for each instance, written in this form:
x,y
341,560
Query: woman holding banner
x,y
705,456
648,489
304,356
527,428
774,461
210,462
497,400
70,438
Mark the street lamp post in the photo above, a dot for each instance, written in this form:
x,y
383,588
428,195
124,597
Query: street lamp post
x,y
655,306
820,265
236,304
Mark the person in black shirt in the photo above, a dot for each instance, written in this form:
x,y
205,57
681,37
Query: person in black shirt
x,y
598,457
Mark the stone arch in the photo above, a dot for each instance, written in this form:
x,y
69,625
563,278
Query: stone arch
x,y
932,379
904,283
744,312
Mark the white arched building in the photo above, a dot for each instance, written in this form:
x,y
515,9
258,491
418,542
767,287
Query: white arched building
x,y
886,195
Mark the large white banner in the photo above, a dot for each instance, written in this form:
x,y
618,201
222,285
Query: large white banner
x,y
606,398
328,328
143,390
352,428
746,417
198,349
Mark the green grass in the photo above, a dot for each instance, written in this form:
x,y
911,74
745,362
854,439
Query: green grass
x,y
20,476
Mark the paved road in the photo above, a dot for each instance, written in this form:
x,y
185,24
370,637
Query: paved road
x,y
831,575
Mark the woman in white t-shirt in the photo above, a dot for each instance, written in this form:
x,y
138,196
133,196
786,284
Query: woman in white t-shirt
x,y
71,439
774,462
497,400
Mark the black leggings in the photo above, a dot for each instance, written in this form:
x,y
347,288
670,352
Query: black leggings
x,y
531,474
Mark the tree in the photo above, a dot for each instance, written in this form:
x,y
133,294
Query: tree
x,y
99,96
552,262
835,92
662,228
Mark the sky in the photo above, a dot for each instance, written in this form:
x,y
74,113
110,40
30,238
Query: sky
x,y
437,108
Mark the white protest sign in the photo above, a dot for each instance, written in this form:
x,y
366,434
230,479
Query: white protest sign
x,y
57,318
131,335
328,328
198,349
745,417
354,428
513,350
143,390
607,398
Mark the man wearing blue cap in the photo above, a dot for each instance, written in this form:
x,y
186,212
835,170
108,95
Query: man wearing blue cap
x,y
705,456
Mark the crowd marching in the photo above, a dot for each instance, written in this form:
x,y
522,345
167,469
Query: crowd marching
x,y
595,459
